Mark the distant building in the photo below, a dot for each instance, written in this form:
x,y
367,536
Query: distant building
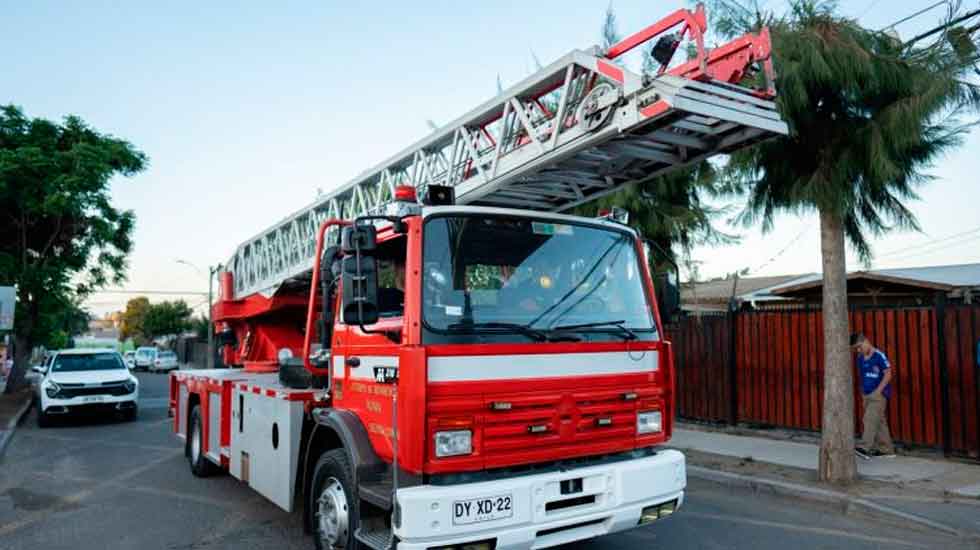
x,y
903,286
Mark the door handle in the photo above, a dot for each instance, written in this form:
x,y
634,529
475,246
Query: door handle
x,y
353,362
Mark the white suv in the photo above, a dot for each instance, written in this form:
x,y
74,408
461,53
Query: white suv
x,y
144,358
79,380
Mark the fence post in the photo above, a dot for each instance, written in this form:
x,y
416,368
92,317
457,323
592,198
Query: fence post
x,y
732,363
943,370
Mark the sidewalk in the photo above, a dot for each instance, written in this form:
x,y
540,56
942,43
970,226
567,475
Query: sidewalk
x,y
12,409
942,491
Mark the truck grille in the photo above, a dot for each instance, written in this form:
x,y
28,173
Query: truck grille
x,y
69,391
586,419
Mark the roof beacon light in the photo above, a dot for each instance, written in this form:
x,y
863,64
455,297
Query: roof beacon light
x,y
405,193
615,214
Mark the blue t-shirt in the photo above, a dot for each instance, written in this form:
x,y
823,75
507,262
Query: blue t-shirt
x,y
871,370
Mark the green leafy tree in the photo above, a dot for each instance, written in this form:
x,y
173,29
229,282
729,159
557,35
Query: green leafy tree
x,y
200,326
166,318
867,115
60,236
131,325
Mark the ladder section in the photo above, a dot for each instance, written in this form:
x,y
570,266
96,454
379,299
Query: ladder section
x,y
576,130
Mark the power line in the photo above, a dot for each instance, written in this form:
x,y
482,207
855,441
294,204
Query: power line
x,y
914,15
906,249
939,249
163,292
781,251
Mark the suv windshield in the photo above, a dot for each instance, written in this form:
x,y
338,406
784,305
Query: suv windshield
x,y
86,362
509,278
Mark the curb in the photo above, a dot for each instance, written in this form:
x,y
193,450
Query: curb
x,y
8,431
846,502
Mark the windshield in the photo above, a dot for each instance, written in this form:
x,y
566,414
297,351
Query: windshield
x,y
509,278
146,352
87,362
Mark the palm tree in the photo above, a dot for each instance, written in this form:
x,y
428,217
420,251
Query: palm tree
x,y
868,114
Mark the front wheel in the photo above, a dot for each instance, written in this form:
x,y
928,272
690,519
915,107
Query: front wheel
x,y
200,465
43,420
333,502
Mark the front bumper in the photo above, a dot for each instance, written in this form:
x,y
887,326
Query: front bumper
x,y
84,403
612,498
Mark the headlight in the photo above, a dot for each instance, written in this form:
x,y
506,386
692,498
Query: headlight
x,y
454,443
129,386
649,422
52,390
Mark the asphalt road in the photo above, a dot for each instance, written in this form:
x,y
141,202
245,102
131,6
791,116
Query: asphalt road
x,y
120,485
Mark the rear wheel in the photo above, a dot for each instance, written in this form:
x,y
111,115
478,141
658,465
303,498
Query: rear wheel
x,y
333,502
200,465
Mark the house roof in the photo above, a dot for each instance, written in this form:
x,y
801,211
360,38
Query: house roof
x,y
944,277
719,291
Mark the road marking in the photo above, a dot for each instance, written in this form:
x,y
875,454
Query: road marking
x,y
75,498
804,529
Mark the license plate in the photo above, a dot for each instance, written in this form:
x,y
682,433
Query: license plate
x,y
92,399
476,510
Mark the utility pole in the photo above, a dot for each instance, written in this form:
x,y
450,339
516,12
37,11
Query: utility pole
x,y
211,271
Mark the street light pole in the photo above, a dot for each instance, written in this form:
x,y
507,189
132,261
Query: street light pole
x,y
211,271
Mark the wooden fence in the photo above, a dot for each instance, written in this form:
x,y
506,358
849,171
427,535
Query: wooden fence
x,y
766,368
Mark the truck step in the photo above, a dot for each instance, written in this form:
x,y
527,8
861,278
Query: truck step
x,y
377,493
375,539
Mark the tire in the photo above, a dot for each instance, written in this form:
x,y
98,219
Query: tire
x,y
132,414
43,420
333,493
200,465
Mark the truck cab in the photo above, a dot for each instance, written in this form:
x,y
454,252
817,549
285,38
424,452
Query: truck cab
x,y
518,359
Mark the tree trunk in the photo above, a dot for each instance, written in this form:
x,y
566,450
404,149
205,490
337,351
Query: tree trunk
x,y
837,461
22,359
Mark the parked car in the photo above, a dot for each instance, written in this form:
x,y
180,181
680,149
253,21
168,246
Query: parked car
x,y
85,380
130,358
144,358
165,361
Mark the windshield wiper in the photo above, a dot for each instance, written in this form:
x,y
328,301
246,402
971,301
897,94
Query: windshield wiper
x,y
492,327
625,332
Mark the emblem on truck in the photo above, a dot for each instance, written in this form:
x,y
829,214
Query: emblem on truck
x,y
385,375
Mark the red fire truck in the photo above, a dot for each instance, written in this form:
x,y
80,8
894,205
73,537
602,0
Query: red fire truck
x,y
432,356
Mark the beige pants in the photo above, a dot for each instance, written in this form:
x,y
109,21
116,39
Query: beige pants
x,y
876,434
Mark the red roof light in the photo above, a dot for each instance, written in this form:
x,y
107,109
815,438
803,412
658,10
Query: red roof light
x,y
405,193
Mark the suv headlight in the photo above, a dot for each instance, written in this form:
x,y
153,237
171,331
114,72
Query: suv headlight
x,y
454,443
649,422
129,386
52,389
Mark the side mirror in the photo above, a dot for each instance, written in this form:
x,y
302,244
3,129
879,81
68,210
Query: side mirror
x,y
668,295
359,275
666,280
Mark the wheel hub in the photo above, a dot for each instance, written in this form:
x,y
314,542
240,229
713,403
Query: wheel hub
x,y
332,515
195,442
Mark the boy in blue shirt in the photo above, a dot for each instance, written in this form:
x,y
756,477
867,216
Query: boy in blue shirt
x,y
876,374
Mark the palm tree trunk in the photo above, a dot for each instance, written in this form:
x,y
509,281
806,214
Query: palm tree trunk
x,y
837,462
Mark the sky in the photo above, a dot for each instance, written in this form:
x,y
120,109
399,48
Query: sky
x,y
247,109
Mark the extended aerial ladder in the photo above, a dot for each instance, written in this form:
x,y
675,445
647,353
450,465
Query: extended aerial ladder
x,y
579,128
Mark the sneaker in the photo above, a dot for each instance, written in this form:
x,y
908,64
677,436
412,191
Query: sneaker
x,y
878,454
862,452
